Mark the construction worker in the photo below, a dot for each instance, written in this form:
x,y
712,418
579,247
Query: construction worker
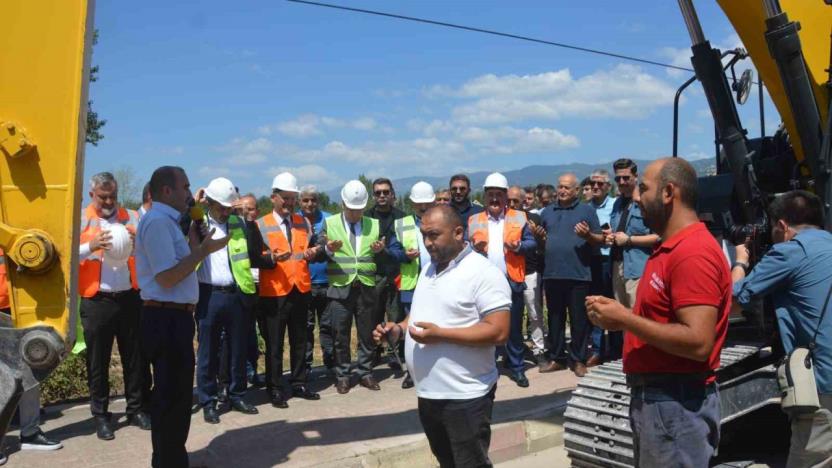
x,y
285,291
166,263
675,333
460,313
31,435
354,246
503,235
226,296
110,306
318,310
387,269
532,295
407,231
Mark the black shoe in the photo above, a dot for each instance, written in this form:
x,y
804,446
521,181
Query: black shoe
x,y
369,382
3,458
278,400
140,420
302,391
39,441
103,429
210,413
222,395
394,364
342,385
243,407
408,381
520,379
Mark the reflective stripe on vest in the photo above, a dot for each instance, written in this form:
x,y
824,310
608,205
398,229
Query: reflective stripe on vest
x,y
345,266
238,255
406,234
89,270
513,225
290,273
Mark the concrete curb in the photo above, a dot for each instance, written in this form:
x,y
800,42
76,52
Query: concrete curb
x,y
536,432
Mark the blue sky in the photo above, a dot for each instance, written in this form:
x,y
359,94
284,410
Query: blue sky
x,y
247,89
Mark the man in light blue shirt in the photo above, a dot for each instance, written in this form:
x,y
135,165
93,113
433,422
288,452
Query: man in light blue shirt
x,y
166,262
796,274
600,265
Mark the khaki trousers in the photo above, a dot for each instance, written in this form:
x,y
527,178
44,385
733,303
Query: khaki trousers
x,y
623,288
811,444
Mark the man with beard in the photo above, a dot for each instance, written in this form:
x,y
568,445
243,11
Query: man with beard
x,y
630,241
677,328
460,186
460,313
504,236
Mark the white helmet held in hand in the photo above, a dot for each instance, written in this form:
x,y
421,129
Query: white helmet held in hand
x,y
422,192
354,195
285,181
495,180
222,191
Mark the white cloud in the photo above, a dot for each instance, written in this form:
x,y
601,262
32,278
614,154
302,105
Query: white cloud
x,y
623,92
304,126
309,174
309,125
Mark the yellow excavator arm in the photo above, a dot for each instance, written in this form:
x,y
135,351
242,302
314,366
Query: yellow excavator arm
x,y
44,57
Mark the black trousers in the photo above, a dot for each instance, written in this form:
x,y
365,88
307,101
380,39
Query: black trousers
x,y
167,337
318,311
104,319
560,295
282,314
359,304
459,431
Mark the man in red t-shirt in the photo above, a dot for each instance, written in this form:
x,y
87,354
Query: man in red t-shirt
x,y
676,330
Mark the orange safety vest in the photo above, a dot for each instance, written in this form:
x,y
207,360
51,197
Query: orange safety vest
x,y
89,272
512,232
292,273
4,285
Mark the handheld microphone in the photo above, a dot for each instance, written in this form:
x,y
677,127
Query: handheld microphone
x,y
197,215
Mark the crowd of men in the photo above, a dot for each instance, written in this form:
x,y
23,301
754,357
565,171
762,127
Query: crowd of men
x,y
227,273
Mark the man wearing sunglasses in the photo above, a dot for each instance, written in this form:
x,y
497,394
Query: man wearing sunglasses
x,y
384,210
631,242
602,201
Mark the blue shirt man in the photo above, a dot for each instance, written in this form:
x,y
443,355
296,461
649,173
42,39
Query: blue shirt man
x,y
317,270
567,254
633,257
796,274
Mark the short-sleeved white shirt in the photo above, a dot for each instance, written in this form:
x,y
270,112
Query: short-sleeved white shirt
x,y
461,295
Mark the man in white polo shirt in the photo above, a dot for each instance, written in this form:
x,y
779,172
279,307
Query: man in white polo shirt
x,y
460,313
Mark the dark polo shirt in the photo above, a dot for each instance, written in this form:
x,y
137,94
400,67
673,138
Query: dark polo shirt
x,y
567,255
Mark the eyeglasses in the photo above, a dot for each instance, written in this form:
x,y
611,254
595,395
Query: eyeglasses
x,y
379,193
459,189
624,178
597,183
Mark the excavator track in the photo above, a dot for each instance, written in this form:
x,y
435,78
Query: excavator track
x,y
597,426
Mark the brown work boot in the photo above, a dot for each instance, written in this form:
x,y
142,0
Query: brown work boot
x,y
593,361
550,366
579,369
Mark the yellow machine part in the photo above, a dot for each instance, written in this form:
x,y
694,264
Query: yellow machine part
x,y
44,62
815,18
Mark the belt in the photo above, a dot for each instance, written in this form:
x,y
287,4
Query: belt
x,y
113,295
170,305
231,288
661,380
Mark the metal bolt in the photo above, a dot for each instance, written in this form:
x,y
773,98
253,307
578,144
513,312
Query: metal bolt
x,y
24,143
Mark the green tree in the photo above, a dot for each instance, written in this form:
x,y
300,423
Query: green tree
x,y
129,187
94,123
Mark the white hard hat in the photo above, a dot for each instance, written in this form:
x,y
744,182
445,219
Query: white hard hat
x,y
222,191
496,180
354,195
285,181
422,192
121,246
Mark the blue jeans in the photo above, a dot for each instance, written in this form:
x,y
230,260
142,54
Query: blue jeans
x,y
515,348
674,424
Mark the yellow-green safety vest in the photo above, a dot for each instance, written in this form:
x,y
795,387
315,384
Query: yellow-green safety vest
x,y
345,265
406,233
238,255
